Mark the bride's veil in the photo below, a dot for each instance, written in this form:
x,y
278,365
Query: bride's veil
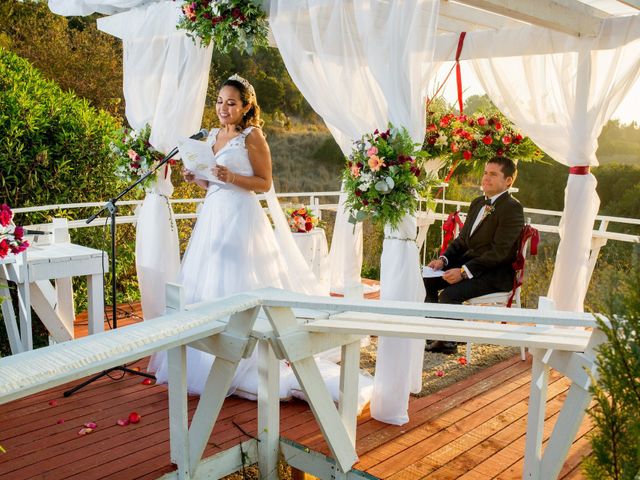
x,y
301,275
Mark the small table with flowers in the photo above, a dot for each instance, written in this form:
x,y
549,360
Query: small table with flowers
x,y
313,246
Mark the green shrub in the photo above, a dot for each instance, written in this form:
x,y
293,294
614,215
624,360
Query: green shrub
x,y
54,150
53,145
616,450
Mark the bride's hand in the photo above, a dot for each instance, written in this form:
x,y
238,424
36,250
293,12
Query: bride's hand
x,y
223,174
188,175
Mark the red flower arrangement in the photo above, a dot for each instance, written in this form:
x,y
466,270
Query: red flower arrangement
x,y
475,138
301,220
11,236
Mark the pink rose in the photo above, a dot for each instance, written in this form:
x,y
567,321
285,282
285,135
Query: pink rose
x,y
18,233
506,139
497,126
372,151
355,170
482,121
132,154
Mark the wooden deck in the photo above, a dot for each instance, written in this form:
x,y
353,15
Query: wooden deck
x,y
471,430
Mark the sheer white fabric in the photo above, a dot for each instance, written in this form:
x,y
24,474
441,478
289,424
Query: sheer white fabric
x,y
562,101
399,281
354,69
87,7
165,82
358,71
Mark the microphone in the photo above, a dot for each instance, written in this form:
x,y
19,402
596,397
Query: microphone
x,y
201,134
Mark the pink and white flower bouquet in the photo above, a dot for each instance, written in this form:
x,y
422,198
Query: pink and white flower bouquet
x,y
384,176
133,155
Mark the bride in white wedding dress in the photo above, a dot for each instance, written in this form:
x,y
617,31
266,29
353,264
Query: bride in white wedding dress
x,y
233,247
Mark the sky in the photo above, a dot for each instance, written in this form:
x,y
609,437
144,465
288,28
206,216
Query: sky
x,y
627,112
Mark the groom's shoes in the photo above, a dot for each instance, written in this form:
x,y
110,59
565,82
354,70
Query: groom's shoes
x,y
439,346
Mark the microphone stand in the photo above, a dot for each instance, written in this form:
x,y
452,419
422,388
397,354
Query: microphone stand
x,y
112,208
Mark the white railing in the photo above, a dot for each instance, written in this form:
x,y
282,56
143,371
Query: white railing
x,y
600,235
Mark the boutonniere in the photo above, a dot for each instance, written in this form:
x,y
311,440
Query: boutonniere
x,y
488,210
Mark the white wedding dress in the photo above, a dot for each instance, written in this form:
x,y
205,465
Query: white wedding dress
x,y
233,249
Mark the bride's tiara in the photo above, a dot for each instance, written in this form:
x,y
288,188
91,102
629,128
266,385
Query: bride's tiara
x,y
245,82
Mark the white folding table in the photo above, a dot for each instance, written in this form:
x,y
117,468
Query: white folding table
x,y
33,272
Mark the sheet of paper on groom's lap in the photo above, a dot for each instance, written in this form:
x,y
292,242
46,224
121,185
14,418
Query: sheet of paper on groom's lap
x,y
198,158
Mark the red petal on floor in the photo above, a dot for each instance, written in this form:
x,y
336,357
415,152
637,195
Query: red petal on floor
x,y
439,373
90,425
60,421
462,361
134,417
147,381
85,431
123,422
53,403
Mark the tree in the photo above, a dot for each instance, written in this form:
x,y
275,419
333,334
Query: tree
x,y
71,51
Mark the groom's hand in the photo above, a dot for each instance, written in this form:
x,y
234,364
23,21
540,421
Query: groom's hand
x,y
453,275
436,264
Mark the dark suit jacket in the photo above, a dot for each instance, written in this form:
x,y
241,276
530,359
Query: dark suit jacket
x,y
489,252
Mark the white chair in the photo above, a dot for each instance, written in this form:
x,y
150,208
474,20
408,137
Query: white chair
x,y
501,299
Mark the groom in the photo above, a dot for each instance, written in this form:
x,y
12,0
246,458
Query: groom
x,y
479,261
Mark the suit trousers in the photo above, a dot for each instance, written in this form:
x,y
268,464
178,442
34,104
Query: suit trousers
x,y
440,291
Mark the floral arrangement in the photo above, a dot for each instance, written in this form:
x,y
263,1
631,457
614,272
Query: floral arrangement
x,y
134,156
301,219
240,24
384,177
475,138
11,236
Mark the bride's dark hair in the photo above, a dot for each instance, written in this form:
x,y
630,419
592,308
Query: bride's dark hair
x,y
248,97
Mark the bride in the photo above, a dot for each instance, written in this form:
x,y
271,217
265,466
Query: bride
x,y
233,247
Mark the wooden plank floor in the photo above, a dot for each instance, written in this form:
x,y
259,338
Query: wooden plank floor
x,y
471,430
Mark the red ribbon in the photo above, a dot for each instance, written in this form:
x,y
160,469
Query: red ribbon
x,y
449,227
528,234
583,170
458,73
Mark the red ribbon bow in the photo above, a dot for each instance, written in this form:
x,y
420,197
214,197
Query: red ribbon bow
x,y
528,234
449,228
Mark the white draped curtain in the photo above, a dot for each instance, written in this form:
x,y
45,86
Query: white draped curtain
x,y
562,99
165,82
361,64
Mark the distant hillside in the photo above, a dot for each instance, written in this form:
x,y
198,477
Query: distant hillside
x,y
305,158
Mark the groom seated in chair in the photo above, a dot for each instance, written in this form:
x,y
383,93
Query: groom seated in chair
x,y
479,260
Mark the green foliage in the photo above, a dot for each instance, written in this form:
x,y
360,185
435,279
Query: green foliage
x,y
616,450
269,76
54,149
49,140
240,24
71,51
619,143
